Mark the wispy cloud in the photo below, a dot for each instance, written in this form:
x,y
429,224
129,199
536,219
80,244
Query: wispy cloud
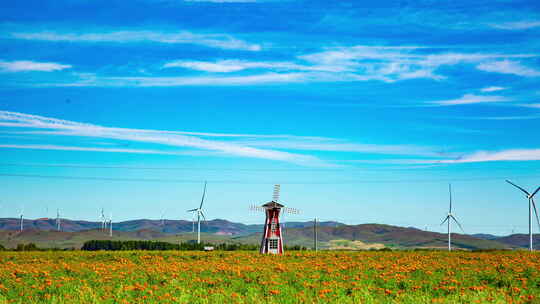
x,y
227,66
222,41
505,155
531,105
92,149
470,99
340,146
25,66
223,1
70,128
519,25
508,67
492,89
201,80
476,157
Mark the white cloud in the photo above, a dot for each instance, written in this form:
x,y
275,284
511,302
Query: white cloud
x,y
492,89
70,128
221,41
508,67
470,99
519,25
476,157
338,146
396,63
227,66
223,1
195,81
505,155
531,105
25,66
90,149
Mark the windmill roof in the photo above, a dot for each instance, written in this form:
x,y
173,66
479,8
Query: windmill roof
x,y
273,204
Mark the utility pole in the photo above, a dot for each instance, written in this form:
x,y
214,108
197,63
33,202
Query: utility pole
x,y
315,234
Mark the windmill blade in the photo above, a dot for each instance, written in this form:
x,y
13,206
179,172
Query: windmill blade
x,y
256,208
450,192
528,194
275,196
532,195
203,195
457,223
204,217
445,219
191,210
536,213
291,210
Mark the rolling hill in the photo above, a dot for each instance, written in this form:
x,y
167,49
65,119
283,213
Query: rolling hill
x,y
331,235
390,236
216,226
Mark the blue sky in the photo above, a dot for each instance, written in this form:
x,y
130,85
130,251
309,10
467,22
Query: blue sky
x,y
363,112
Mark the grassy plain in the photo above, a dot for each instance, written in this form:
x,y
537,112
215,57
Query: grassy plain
x,y
247,277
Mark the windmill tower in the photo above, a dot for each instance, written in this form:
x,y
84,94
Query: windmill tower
x,y
272,238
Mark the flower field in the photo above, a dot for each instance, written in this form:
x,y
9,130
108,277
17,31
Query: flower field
x,y
247,277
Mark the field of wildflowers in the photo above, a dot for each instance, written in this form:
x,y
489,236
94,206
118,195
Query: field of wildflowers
x,y
247,277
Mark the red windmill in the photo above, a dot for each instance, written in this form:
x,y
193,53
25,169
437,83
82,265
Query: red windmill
x,y
272,238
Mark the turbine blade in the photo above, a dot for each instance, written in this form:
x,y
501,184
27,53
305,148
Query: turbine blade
x,y
536,213
528,194
203,216
204,193
446,219
535,192
457,223
450,192
191,210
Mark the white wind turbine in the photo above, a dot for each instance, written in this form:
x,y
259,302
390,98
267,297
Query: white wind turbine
x,y
200,213
532,205
449,218
103,221
110,224
22,217
57,219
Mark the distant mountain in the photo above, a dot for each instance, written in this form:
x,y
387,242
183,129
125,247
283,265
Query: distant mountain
x,y
485,236
520,240
217,226
390,236
62,239
330,234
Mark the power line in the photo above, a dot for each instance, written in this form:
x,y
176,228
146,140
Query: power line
x,y
89,166
344,182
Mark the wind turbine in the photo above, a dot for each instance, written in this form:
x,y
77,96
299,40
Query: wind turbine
x,y
532,205
110,224
449,218
103,221
200,213
22,216
58,219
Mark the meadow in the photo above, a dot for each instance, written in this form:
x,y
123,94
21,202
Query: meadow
x,y
247,277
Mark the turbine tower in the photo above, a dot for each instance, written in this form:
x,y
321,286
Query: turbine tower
x,y
532,205
103,221
449,218
200,213
22,217
58,219
110,224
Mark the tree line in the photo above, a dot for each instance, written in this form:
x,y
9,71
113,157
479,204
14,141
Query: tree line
x,y
157,245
